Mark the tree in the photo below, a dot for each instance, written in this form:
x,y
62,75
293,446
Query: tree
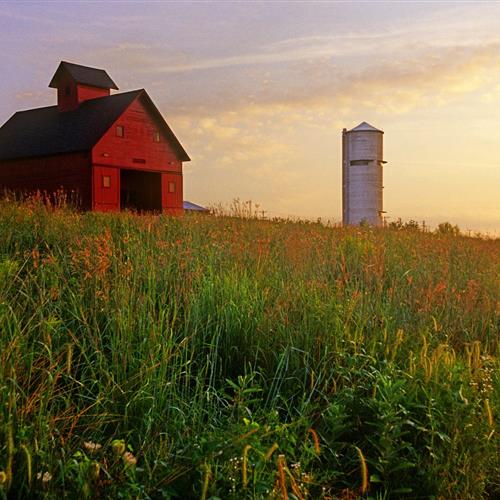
x,y
446,228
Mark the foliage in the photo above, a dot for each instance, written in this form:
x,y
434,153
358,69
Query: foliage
x,y
232,357
448,228
410,225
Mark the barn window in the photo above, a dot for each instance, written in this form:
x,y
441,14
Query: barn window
x,y
68,90
120,131
360,162
157,136
171,187
106,181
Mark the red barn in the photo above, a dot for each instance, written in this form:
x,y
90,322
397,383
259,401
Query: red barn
x,y
115,151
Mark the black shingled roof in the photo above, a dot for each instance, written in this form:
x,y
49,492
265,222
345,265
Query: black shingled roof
x,y
83,74
47,131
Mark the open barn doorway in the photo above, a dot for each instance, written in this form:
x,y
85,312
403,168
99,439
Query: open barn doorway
x,y
140,190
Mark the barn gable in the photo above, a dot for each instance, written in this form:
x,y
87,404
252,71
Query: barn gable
x,y
141,122
139,148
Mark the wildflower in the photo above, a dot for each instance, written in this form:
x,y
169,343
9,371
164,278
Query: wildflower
x,y
45,477
118,446
92,447
306,477
129,458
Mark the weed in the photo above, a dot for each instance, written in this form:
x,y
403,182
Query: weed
x,y
150,357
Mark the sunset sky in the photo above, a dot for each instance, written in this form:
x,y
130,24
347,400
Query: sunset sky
x,y
258,93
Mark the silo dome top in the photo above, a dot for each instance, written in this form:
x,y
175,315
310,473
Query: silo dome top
x,y
365,127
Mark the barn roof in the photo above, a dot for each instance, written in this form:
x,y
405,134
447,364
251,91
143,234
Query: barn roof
x,y
188,205
85,75
47,131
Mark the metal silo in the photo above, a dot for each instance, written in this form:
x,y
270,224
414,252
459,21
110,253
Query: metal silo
x,y
362,160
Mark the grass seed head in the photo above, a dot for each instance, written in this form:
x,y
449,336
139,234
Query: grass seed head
x,y
364,471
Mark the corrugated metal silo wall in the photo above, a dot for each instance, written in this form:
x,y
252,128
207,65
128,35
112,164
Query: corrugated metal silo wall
x,y
364,178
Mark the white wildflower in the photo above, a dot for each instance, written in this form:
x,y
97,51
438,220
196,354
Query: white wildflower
x,y
45,477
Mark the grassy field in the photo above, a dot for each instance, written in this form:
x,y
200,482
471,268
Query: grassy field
x,y
218,357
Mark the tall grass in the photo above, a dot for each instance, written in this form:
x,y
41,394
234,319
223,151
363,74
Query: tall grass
x,y
205,357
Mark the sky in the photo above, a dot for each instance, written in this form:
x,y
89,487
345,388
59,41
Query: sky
x,y
258,93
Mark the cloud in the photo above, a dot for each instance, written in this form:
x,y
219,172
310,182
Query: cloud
x,y
450,28
388,69
398,84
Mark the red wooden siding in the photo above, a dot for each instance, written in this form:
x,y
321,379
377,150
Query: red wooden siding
x,y
137,144
137,150
172,201
70,172
84,92
106,183
71,94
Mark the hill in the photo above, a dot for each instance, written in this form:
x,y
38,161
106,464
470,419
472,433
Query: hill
x,y
206,357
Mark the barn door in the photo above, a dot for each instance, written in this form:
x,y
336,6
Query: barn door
x,y
106,184
171,193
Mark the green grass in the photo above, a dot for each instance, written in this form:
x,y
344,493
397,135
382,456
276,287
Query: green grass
x,y
199,357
